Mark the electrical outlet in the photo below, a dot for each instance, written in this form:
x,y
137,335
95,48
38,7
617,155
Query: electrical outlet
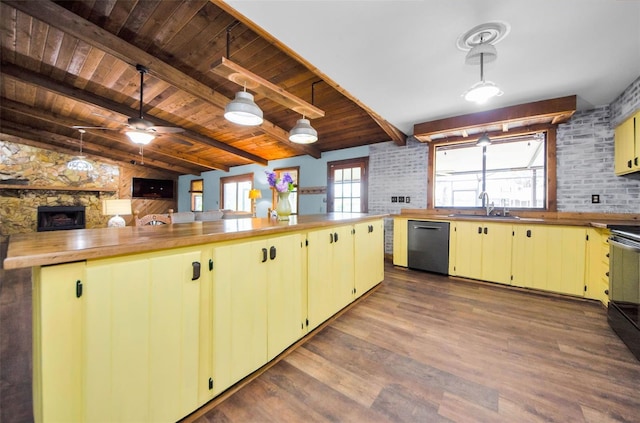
x,y
394,199
595,198
407,199
400,199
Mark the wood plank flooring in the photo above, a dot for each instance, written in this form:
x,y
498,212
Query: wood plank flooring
x,y
427,348
421,348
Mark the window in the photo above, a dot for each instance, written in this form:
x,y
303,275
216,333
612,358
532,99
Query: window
x,y
512,171
347,186
196,189
294,172
234,192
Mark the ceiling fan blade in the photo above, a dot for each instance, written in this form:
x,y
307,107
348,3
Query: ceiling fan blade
x,y
166,129
94,127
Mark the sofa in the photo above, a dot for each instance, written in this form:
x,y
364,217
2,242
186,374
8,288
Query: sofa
x,y
206,216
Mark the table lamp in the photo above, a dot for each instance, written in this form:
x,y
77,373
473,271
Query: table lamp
x,y
115,208
254,194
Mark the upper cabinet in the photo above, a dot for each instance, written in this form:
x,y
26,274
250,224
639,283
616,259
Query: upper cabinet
x,y
627,146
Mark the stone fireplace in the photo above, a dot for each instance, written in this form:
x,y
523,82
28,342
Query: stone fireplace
x,y
58,218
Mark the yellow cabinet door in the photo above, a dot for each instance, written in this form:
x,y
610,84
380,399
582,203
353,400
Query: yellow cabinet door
x,y
625,147
566,250
342,268
529,258
221,349
284,292
58,305
468,258
636,156
142,334
597,265
368,255
320,281
400,241
496,252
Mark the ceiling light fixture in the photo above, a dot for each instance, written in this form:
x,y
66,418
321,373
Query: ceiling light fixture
x,y
479,42
243,110
139,137
484,140
79,163
303,132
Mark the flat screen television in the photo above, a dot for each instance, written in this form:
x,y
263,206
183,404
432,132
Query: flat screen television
x,y
152,188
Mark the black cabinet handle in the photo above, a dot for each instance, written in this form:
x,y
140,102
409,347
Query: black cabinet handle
x,y
330,238
528,233
635,161
629,163
196,270
78,289
210,264
606,291
264,255
479,230
486,231
335,236
607,255
272,252
607,274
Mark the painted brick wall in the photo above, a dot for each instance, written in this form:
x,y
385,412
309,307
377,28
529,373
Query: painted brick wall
x,y
585,157
585,167
397,171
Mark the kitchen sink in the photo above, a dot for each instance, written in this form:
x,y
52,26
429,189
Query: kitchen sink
x,y
494,217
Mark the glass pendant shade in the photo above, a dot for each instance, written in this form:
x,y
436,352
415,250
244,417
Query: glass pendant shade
x,y
79,164
303,132
483,141
482,91
140,137
243,110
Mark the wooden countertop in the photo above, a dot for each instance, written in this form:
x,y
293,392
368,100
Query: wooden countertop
x,y
43,248
597,220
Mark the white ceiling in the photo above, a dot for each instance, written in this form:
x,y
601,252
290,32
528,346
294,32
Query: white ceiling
x,y
400,57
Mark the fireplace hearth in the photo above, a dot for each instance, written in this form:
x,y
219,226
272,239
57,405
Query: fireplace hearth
x,y
60,218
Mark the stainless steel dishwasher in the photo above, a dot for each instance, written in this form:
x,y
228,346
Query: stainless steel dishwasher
x,y
428,247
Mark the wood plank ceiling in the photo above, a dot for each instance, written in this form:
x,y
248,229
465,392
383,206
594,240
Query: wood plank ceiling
x,y
69,63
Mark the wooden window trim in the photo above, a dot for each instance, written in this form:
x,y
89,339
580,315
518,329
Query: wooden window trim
x,y
361,162
236,178
551,164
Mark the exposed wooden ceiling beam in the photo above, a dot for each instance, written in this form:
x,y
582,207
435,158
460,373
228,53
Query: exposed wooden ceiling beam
x,y
553,111
235,73
22,134
189,160
396,135
70,23
27,76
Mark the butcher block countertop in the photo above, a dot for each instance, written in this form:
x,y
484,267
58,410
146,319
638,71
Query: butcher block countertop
x,y
597,220
43,248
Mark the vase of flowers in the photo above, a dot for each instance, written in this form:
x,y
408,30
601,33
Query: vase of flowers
x,y
283,187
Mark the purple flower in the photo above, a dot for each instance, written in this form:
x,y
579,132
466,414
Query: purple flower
x,y
283,184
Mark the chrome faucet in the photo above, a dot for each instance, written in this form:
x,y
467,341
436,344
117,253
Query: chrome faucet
x,y
484,196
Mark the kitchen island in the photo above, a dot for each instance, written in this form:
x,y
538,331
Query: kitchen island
x,y
150,323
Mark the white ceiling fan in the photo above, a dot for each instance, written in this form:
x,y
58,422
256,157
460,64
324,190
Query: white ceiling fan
x,y
139,130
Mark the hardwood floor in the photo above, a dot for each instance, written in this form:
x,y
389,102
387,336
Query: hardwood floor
x,y
421,348
427,348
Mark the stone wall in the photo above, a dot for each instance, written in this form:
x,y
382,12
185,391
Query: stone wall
x,y
27,167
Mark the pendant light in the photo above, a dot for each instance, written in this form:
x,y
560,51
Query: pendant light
x,y
79,163
303,132
243,110
479,42
484,140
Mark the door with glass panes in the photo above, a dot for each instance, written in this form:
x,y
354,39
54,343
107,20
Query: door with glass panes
x,y
347,186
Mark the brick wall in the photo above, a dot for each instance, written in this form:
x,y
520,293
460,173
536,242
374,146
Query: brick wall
x,y
585,167
397,171
585,157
